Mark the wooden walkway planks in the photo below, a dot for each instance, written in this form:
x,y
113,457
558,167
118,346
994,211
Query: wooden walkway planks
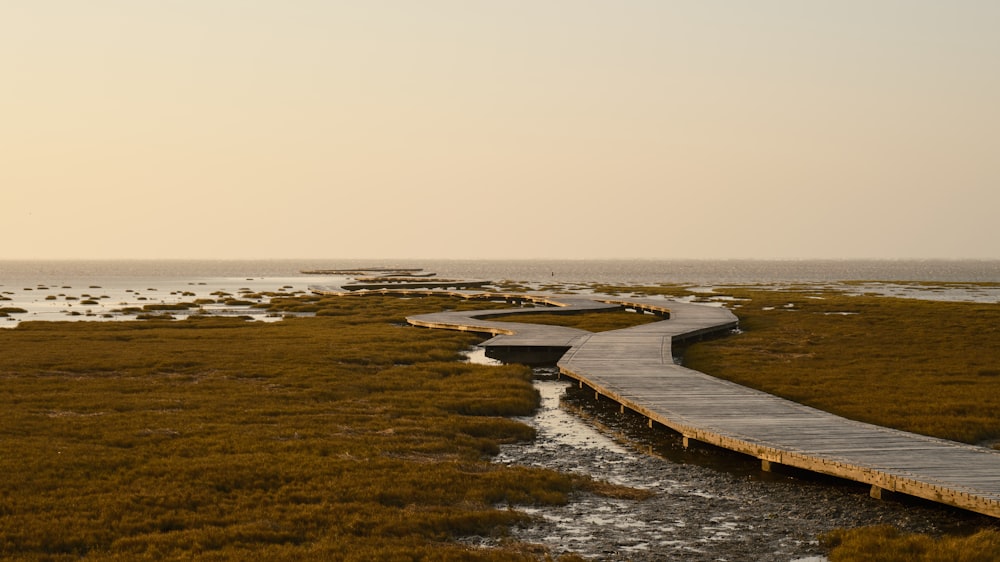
x,y
775,430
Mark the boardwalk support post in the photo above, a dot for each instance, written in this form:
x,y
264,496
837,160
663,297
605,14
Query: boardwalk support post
x,y
766,465
686,441
878,493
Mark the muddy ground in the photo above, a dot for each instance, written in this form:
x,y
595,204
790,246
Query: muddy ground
x,y
708,504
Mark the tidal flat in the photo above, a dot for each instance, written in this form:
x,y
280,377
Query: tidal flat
x,y
117,298
264,425
706,504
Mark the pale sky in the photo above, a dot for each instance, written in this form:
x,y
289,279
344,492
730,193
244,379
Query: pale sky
x,y
504,129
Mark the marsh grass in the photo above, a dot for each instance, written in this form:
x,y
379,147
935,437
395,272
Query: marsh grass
x,y
12,310
590,321
888,544
166,306
348,436
665,289
923,366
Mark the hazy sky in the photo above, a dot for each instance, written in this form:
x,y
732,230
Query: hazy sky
x,y
503,129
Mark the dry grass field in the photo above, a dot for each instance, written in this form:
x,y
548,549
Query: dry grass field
x,y
348,436
923,366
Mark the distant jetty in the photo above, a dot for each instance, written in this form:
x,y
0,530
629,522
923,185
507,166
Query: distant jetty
x,y
394,271
377,278
411,284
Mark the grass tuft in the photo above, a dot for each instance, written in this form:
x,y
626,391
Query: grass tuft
x,y
886,543
590,321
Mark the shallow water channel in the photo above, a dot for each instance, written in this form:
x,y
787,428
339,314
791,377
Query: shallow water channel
x,y
708,504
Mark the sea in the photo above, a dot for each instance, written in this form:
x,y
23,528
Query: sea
x,y
98,290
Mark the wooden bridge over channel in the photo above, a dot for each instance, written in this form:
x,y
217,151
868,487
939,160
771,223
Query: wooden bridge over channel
x,y
635,368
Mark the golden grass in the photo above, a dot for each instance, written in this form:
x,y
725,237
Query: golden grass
x,y
352,437
344,437
887,544
665,289
921,366
590,321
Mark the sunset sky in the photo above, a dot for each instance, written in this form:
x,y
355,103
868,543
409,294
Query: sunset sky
x,y
504,129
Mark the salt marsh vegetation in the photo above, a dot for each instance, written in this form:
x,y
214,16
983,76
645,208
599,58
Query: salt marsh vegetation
x,y
927,367
345,436
222,439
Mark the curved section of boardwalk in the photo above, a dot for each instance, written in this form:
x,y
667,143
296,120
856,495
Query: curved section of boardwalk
x,y
775,430
634,367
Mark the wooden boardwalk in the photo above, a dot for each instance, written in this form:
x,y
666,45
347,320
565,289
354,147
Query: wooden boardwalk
x,y
634,367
